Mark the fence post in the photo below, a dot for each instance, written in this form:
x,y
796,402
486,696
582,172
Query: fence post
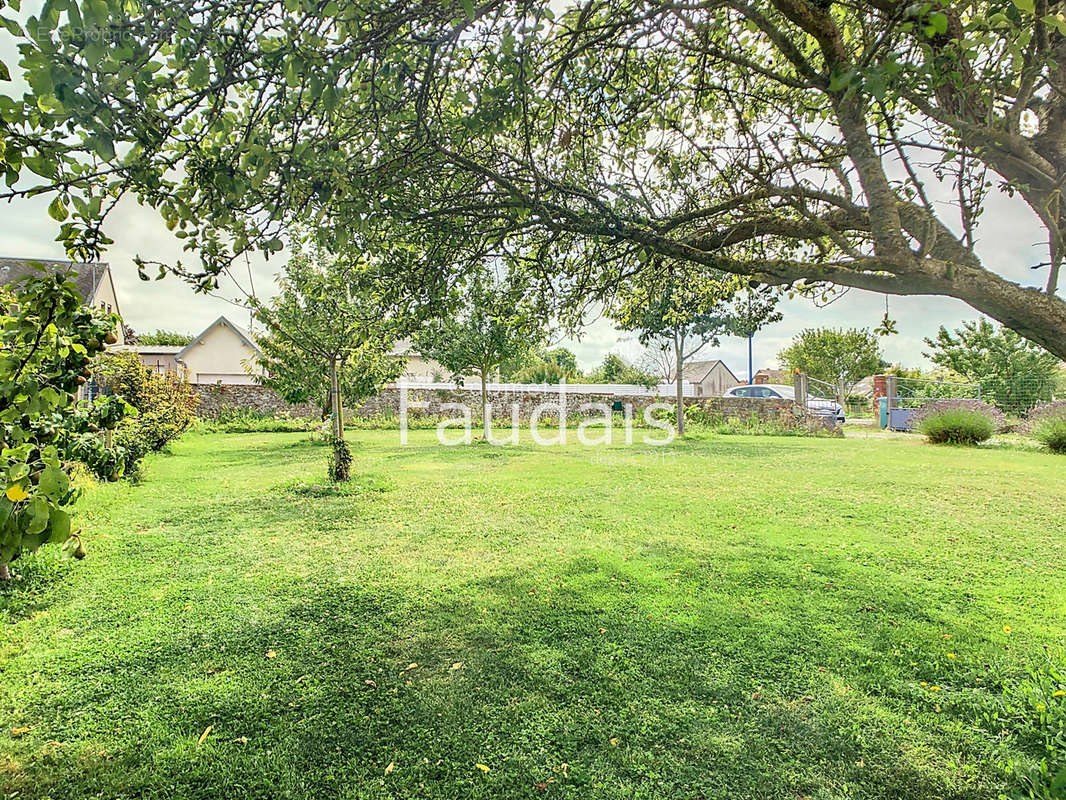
x,y
891,391
799,387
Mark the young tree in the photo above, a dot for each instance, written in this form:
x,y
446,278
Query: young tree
x,y
49,339
1013,373
497,321
615,369
835,356
330,332
678,312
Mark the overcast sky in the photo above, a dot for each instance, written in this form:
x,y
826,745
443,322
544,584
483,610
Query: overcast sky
x,y
1010,241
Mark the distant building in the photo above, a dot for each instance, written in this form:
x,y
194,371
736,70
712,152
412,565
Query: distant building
x,y
222,353
776,376
159,358
419,369
709,378
93,280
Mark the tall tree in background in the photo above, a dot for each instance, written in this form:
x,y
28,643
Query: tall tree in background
x,y
524,130
835,356
1013,373
330,332
677,312
496,321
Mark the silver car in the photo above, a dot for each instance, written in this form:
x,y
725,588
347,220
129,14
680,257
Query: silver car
x,y
819,406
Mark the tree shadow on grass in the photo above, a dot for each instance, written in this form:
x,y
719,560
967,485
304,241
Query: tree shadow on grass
x,y
607,680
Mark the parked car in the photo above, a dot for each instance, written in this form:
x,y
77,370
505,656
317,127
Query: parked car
x,y
819,406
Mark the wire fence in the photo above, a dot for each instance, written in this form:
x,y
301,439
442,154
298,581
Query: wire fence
x,y
1014,395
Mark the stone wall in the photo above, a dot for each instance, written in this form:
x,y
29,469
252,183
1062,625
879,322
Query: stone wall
x,y
387,403
215,397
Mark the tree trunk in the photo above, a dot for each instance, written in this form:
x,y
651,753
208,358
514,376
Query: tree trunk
x,y
5,572
484,406
336,409
679,361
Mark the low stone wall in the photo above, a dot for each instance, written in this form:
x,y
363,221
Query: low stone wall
x,y
216,397
433,403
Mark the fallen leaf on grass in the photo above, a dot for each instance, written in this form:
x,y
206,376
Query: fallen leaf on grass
x,y
410,666
482,767
271,654
20,731
390,767
457,665
614,741
204,735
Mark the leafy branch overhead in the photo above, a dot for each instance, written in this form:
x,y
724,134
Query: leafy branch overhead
x,y
797,142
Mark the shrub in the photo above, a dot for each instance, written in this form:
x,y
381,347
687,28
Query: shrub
x,y
934,408
165,404
1047,424
957,426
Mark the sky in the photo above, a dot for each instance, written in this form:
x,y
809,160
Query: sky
x,y
1010,240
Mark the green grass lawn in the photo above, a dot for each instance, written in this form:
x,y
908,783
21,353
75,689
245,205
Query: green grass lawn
x,y
736,617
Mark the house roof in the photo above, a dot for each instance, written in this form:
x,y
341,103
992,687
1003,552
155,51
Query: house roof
x,y
237,329
775,375
696,371
87,276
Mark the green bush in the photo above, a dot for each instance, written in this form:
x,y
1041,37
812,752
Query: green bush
x,y
1051,433
958,426
165,404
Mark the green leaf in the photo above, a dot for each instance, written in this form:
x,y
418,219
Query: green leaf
x,y
60,524
57,210
468,7
1028,6
1056,21
37,510
53,482
49,103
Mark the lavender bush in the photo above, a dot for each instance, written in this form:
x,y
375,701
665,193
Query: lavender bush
x,y
937,407
1047,424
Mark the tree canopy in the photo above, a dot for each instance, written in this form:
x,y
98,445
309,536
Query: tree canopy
x,y
831,355
1012,373
803,143
495,321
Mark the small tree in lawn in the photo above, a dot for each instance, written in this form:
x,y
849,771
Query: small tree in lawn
x,y
1012,372
329,337
496,322
837,356
677,311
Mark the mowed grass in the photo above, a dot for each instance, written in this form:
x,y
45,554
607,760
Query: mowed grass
x,y
728,617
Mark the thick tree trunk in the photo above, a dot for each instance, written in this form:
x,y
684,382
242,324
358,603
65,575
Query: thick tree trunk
x,y
679,360
484,406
